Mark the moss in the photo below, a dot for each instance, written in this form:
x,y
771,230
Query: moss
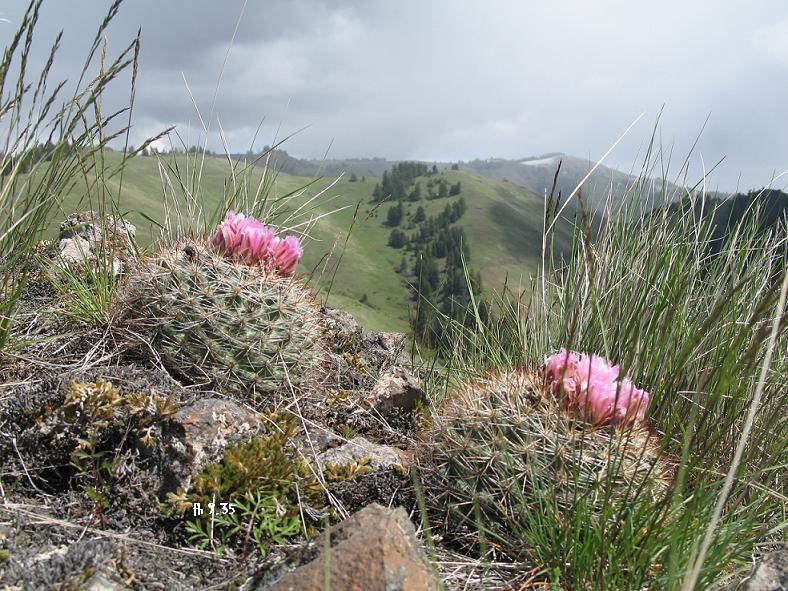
x,y
5,555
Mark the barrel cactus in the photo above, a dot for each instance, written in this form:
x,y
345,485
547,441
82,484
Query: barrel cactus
x,y
245,329
502,447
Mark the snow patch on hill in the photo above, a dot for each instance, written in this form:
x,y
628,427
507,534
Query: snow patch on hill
x,y
540,161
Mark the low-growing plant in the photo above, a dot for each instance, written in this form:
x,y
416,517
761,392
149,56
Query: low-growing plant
x,y
261,491
98,421
255,519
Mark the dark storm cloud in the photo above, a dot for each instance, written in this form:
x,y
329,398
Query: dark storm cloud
x,y
459,80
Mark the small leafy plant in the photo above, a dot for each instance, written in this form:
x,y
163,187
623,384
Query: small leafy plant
x,y
95,421
261,493
255,519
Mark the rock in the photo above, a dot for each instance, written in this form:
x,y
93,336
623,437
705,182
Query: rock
x,y
83,236
75,250
88,225
374,550
104,580
383,349
380,457
358,358
769,574
393,342
397,392
342,327
199,434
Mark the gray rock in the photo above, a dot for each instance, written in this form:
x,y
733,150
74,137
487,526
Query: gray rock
x,y
199,434
374,550
380,457
397,392
342,326
769,574
84,236
75,250
394,342
89,226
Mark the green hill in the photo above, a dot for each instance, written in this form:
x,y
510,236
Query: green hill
x,y
503,225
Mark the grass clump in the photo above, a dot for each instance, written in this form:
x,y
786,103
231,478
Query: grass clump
x,y
50,140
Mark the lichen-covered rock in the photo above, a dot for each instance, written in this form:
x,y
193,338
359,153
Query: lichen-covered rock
x,y
85,236
75,250
374,550
359,358
376,456
89,226
199,433
397,392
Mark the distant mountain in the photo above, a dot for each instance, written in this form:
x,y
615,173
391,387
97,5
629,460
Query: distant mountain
x,y
361,167
537,174
534,174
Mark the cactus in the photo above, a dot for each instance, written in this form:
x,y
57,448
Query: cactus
x,y
501,447
245,330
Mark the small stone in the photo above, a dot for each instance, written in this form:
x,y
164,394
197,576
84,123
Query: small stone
x,y
374,550
380,457
397,392
75,250
343,326
769,574
392,341
104,580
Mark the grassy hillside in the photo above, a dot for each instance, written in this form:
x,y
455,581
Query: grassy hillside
x,y
503,224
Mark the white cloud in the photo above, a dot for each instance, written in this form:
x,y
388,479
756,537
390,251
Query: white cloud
x,y
772,41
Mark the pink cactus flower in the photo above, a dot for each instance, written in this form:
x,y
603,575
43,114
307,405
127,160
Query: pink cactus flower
x,y
561,370
588,386
286,254
253,242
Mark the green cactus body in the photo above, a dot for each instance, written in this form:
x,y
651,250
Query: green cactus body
x,y
246,331
501,448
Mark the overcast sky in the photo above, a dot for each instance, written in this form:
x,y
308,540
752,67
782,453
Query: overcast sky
x,y
449,80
